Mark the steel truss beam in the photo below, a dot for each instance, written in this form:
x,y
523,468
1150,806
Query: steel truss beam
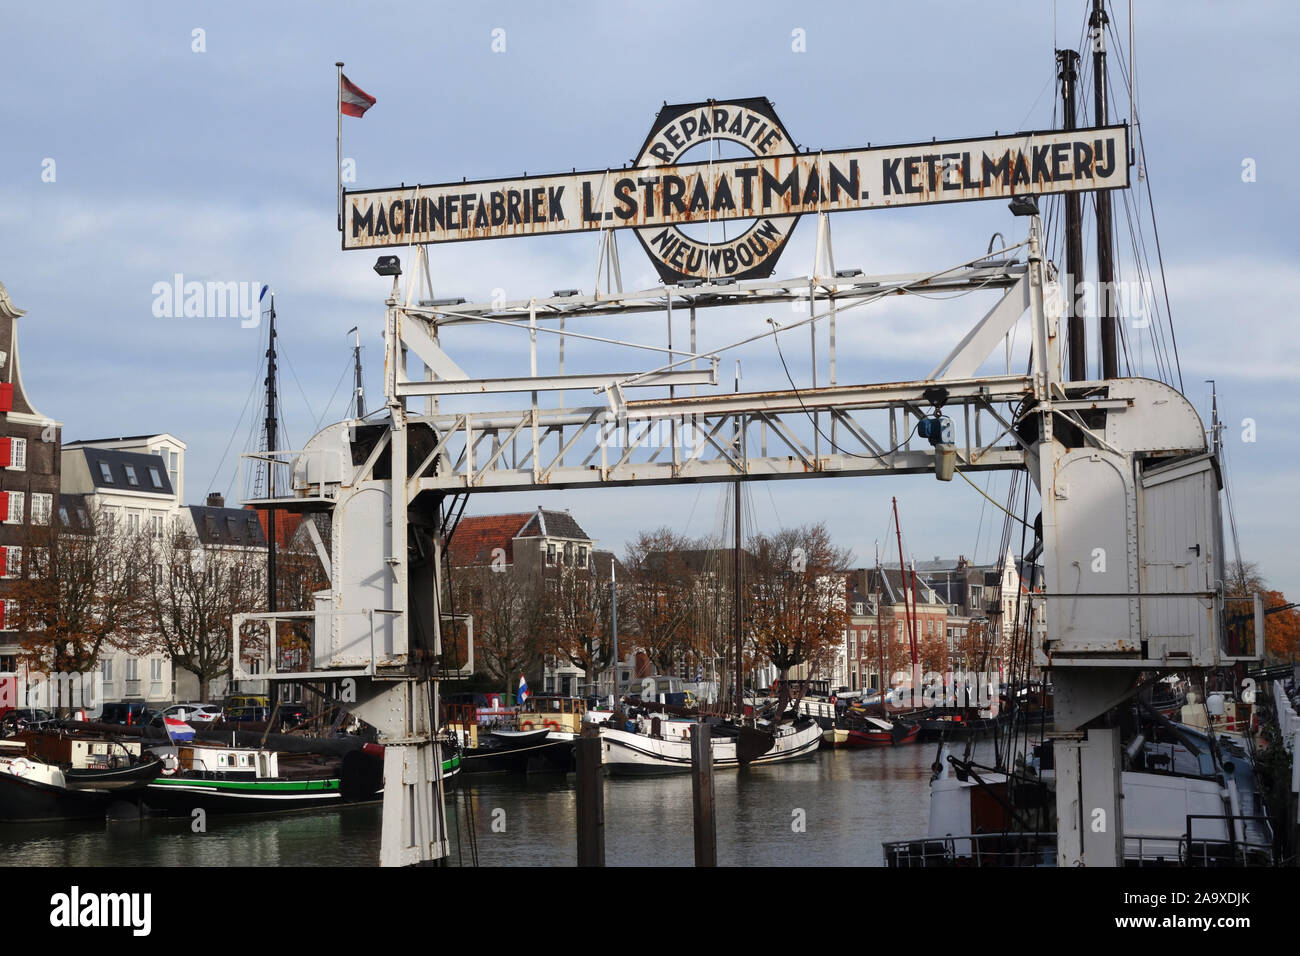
x,y
665,440
997,274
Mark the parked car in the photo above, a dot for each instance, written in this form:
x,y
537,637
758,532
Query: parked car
x,y
235,701
240,715
194,713
294,715
25,718
128,713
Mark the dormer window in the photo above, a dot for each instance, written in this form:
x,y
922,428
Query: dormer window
x,y
155,477
131,479
105,473
859,608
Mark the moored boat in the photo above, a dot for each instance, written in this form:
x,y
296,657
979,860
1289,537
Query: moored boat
x,y
874,732
520,751
662,746
834,737
32,790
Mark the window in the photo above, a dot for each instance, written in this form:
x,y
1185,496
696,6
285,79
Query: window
x,y
18,455
8,663
550,554
156,521
106,668
155,477
582,557
132,669
155,668
41,507
568,553
859,608
63,516
131,479
105,473
133,521
16,501
173,466
40,563
11,615
13,562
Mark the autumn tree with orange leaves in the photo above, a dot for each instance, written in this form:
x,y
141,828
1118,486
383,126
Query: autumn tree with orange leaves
x,y
1242,579
794,598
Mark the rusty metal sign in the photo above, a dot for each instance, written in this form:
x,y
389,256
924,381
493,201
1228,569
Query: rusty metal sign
x,y
772,187
754,126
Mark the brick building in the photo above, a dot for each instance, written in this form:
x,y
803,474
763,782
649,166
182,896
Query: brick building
x,y
29,487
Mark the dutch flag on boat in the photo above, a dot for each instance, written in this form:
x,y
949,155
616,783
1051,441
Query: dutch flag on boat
x,y
523,689
178,729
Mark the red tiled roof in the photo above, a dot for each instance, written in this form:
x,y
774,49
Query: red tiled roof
x,y
286,524
477,535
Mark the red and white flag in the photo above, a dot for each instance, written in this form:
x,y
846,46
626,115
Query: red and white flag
x,y
353,100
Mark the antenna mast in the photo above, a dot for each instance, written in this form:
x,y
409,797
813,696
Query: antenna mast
x,y
358,390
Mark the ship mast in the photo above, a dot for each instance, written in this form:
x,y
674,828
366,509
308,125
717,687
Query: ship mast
x,y
1105,243
735,577
270,468
1077,334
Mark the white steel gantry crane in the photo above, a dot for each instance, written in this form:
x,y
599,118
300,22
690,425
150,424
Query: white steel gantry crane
x,y
1131,535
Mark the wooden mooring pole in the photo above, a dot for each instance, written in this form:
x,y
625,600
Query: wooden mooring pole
x,y
706,831
591,799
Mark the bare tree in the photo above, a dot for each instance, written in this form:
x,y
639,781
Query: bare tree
x,y
511,608
662,595
190,596
79,590
1243,579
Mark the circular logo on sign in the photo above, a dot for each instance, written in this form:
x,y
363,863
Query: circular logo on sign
x,y
751,124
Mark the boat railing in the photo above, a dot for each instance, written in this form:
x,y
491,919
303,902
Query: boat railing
x,y
1007,848
1234,850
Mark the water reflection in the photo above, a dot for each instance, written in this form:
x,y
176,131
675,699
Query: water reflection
x,y
834,810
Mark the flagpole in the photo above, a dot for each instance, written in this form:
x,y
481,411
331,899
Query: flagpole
x,y
338,142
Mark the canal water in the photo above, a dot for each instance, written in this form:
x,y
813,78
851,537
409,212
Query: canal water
x,y
833,810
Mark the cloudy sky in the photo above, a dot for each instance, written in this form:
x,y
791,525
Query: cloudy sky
x,y
143,140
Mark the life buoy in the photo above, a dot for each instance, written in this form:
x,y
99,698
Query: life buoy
x,y
527,725
551,725
21,766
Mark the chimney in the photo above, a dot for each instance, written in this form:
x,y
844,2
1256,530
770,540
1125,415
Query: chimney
x,y
216,500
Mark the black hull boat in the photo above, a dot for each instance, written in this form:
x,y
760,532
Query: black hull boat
x,y
113,778
239,780
519,752
37,786
38,797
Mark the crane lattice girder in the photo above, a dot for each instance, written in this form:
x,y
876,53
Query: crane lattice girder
x,y
665,440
